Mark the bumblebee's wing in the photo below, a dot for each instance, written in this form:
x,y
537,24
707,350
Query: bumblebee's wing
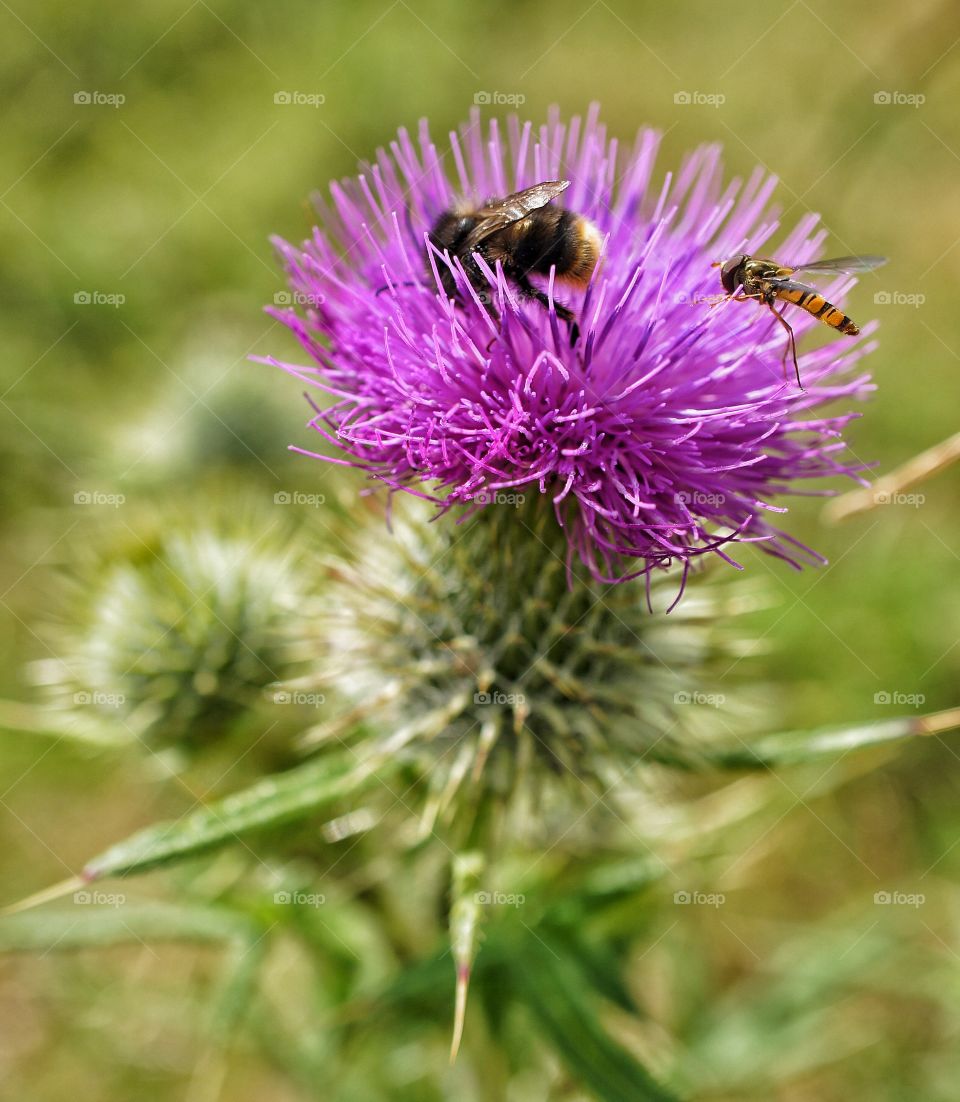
x,y
839,265
506,211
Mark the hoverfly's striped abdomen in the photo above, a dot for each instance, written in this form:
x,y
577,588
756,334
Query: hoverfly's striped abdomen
x,y
818,306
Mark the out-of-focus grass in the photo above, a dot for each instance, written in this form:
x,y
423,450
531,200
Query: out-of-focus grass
x,y
168,200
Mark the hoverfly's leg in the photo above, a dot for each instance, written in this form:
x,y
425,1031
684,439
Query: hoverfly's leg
x,y
527,288
737,296
792,344
718,302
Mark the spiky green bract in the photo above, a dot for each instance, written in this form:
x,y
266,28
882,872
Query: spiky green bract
x,y
502,671
170,625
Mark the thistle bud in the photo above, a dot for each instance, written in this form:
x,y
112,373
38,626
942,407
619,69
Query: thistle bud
x,y
505,672
170,626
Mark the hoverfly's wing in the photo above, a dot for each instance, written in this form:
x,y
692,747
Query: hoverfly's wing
x,y
838,265
505,212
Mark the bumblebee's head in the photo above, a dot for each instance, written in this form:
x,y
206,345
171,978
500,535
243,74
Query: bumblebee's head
x,y
729,270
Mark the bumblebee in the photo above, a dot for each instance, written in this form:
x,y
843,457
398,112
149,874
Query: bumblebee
x,y
745,277
526,236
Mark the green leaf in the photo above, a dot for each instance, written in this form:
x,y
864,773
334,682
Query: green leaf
x,y
50,723
779,1025
238,987
551,985
277,800
797,747
88,923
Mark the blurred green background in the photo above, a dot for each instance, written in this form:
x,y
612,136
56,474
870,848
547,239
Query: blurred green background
x,y
167,199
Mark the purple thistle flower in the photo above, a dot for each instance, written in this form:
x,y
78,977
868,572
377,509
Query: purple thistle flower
x,y
665,432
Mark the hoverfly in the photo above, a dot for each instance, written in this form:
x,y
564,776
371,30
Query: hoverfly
x,y
746,277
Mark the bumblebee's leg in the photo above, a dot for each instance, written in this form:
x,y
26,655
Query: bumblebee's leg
x,y
792,344
527,288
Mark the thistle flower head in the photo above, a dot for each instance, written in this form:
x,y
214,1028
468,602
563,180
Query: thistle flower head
x,y
666,430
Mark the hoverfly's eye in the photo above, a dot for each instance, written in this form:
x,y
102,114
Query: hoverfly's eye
x,y
728,272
